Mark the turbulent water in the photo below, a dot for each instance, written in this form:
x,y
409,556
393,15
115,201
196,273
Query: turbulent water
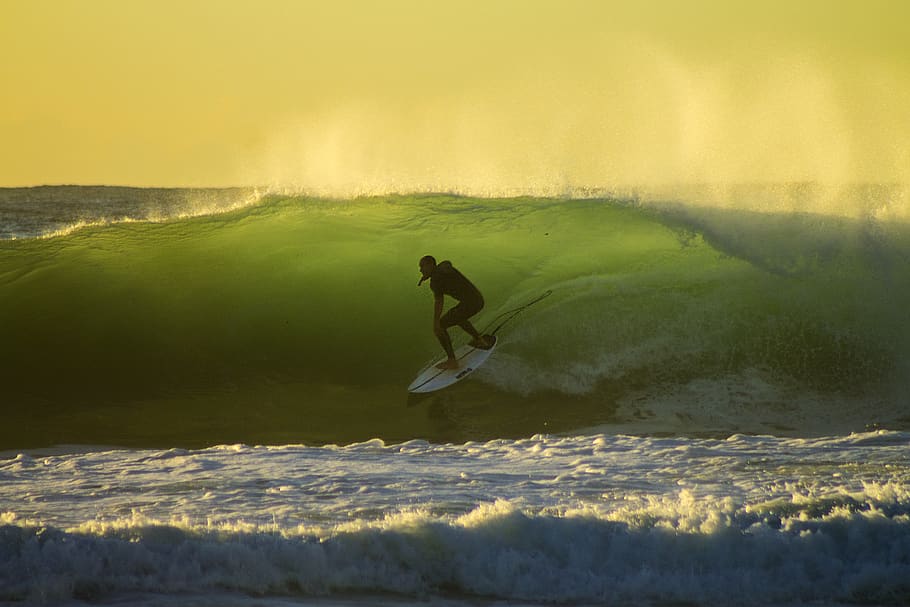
x,y
710,407
589,520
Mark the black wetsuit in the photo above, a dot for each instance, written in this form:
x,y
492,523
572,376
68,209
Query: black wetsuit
x,y
446,280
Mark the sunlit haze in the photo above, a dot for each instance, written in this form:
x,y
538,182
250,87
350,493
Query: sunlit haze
x,y
477,96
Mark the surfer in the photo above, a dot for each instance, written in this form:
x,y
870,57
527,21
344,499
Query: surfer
x,y
446,280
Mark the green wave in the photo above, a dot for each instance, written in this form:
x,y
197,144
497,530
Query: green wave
x,y
299,319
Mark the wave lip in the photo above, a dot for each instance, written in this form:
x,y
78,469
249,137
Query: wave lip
x,y
56,211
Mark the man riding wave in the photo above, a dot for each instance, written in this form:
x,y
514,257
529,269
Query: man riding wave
x,y
446,280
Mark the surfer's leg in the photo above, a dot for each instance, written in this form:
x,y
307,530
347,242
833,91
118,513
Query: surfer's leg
x,y
480,341
460,315
470,330
451,362
442,334
465,310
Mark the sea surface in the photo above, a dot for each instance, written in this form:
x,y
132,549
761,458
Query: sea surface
x,y
204,399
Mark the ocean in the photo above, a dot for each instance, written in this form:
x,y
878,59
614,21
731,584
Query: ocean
x,y
204,399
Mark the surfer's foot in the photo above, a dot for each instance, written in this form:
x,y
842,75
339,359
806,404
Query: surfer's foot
x,y
484,342
448,364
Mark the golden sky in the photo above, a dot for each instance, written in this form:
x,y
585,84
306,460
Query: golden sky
x,y
491,95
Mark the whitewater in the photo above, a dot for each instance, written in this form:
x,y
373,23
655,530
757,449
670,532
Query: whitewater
x,y
580,520
204,400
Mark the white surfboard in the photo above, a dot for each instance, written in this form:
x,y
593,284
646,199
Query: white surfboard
x,y
432,379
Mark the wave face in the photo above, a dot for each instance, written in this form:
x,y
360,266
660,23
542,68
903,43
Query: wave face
x,y
299,319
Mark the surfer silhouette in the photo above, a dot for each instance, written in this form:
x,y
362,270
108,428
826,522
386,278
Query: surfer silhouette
x,y
446,280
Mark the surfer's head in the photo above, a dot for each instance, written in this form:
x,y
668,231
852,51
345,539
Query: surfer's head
x,y
427,265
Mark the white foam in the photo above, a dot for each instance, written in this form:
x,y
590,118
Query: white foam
x,y
567,519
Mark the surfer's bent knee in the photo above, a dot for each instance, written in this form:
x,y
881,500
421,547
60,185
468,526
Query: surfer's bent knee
x,y
460,314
